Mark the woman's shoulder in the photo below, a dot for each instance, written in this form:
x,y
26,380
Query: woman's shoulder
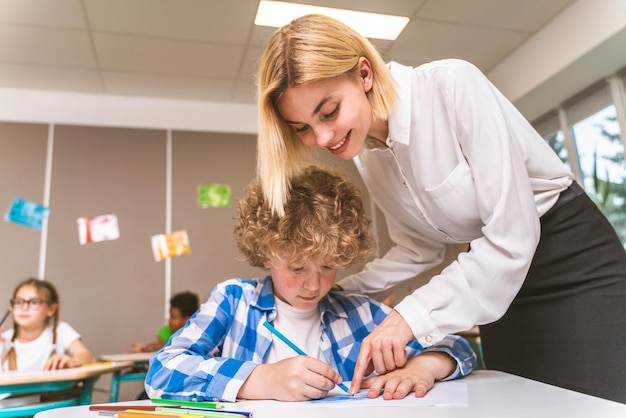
x,y
451,70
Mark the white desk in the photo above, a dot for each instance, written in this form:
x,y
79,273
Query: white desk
x,y
491,394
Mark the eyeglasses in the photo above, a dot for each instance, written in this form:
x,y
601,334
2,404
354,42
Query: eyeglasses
x,y
35,303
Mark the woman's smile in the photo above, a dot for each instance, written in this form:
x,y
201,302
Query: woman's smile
x,y
342,145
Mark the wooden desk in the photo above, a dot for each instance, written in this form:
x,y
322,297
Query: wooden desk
x,y
140,361
54,380
490,394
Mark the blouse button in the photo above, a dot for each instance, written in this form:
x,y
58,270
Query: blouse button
x,y
428,338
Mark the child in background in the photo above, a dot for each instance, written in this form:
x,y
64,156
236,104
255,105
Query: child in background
x,y
182,306
224,352
39,340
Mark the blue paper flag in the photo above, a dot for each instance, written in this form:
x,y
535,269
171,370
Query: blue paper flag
x,y
27,213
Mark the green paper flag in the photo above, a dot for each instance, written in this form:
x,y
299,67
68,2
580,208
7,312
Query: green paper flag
x,y
214,195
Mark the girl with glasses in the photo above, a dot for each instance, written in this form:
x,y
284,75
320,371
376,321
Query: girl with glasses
x,y
39,340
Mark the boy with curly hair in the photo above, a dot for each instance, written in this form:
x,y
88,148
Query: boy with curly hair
x,y
225,352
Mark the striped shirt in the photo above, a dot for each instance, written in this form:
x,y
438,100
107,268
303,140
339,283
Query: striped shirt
x,y
214,353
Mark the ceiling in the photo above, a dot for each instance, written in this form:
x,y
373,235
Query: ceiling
x,y
207,49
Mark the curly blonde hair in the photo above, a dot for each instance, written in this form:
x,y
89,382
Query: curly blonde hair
x,y
324,221
310,48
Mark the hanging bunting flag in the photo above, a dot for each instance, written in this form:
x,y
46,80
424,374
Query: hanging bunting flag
x,y
214,195
98,228
170,245
27,213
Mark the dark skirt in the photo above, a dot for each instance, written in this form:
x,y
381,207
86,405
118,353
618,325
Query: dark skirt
x,y
567,325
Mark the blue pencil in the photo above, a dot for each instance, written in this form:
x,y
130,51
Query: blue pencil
x,y
295,347
4,318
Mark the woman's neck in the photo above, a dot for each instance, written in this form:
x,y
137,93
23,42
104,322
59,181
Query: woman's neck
x,y
379,129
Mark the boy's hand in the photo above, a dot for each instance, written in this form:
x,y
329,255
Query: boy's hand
x,y
418,375
297,378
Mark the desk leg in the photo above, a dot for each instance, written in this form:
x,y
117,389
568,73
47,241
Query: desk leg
x,y
115,385
87,390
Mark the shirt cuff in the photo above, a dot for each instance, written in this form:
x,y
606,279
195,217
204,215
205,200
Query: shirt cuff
x,y
424,329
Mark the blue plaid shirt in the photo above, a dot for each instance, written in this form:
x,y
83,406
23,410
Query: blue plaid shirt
x,y
219,347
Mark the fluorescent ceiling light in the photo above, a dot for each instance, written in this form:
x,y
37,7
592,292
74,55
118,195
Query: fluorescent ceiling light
x,y
370,25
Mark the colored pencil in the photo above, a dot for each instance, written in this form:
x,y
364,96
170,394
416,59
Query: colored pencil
x,y
121,407
295,348
113,410
6,315
143,414
206,413
195,404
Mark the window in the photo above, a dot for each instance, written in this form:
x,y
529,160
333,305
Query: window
x,y
601,156
585,133
557,143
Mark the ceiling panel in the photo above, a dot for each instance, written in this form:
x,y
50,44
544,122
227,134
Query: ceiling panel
x,y
209,49
482,46
55,78
191,88
164,56
514,15
52,13
218,21
41,45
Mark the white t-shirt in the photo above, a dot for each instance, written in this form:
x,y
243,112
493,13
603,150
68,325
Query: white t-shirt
x,y
303,328
32,356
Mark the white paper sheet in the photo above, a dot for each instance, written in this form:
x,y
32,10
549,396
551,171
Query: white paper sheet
x,y
453,393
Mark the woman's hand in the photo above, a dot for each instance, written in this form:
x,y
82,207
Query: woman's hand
x,y
383,349
418,375
297,378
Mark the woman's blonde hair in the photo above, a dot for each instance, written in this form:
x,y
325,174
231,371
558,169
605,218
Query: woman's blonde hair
x,y
310,48
324,221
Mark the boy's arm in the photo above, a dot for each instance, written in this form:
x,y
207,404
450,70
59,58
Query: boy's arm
x,y
418,375
455,346
191,366
458,349
449,359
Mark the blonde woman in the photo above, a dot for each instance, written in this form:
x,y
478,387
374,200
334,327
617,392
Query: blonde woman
x,y
448,159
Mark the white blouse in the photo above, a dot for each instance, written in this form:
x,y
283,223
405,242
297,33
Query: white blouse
x,y
460,165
